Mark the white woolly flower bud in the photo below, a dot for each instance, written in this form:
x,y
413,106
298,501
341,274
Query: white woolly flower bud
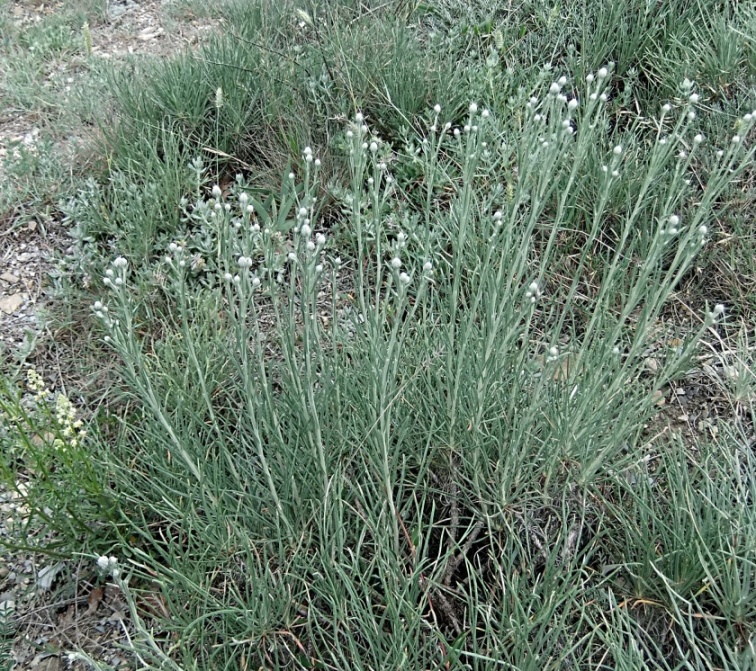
x,y
102,563
572,105
291,176
497,215
554,88
319,268
217,193
404,278
228,277
427,266
617,150
320,239
715,314
310,246
317,163
255,282
173,248
693,97
358,117
666,108
703,229
533,292
437,109
735,139
396,263
589,78
373,147
691,115
603,73
674,220
473,108
485,114
305,230
698,139
562,80
120,262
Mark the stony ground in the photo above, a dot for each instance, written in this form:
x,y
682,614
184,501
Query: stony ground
x,y
49,607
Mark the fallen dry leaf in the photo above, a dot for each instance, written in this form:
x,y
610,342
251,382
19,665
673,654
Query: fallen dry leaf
x,y
94,599
9,304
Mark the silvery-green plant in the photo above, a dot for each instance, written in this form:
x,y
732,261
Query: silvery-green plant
x,y
374,439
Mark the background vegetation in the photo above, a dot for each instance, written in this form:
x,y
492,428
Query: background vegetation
x,y
390,296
